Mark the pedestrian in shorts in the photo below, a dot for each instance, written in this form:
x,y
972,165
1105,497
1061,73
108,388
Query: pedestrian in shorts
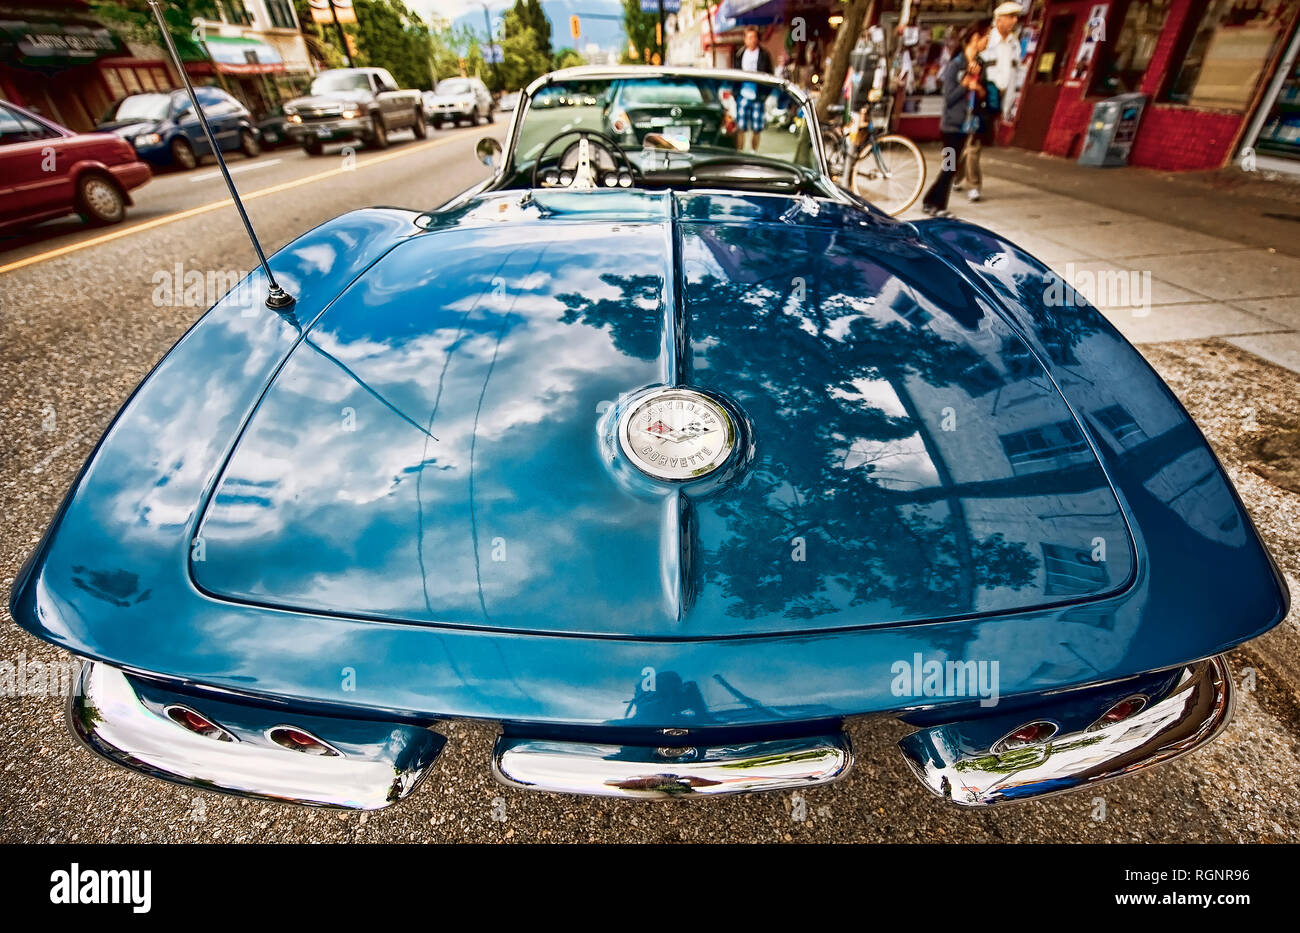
x,y
750,117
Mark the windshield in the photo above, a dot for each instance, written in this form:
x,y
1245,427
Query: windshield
x,y
702,117
140,107
454,86
340,81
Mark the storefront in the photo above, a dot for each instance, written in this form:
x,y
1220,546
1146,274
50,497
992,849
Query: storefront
x,y
918,54
248,68
71,71
798,34
1205,66
257,53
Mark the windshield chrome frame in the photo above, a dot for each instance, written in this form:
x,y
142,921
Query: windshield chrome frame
x,y
613,73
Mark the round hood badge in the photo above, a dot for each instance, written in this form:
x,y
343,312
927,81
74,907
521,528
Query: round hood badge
x,y
677,434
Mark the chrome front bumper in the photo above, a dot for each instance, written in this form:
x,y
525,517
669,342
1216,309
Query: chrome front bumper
x,y
375,763
331,129
662,773
370,764
955,763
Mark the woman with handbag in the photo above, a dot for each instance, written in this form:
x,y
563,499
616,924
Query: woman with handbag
x,y
982,124
964,95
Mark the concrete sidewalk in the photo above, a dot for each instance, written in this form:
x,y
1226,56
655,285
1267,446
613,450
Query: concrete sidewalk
x,y
1157,281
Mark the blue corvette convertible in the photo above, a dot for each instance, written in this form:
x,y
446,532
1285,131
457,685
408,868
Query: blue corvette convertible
x,y
668,457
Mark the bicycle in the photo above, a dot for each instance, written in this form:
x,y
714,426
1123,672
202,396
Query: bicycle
x,y
885,169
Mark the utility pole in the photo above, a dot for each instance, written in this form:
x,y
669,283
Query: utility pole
x,y
343,39
496,65
663,57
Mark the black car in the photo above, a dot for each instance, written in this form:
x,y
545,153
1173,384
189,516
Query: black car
x,y
274,128
686,111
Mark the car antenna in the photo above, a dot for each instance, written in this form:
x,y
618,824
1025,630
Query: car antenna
x,y
276,298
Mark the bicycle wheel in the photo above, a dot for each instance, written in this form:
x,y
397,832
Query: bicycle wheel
x,y
836,160
890,174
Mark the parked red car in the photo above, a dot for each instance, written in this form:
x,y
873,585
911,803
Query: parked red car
x,y
47,170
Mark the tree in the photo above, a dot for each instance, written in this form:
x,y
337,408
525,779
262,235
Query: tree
x,y
134,20
320,41
526,48
454,46
641,29
391,36
568,58
536,18
855,14
880,542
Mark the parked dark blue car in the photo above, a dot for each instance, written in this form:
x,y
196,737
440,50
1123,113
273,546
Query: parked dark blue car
x,y
165,131
668,459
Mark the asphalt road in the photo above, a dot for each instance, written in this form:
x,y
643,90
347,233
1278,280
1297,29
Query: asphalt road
x,y
79,329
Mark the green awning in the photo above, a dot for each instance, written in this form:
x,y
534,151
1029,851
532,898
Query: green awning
x,y
55,45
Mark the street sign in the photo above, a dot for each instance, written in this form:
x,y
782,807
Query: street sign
x,y
492,54
652,6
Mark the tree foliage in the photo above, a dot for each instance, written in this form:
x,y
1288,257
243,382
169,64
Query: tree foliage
x,y
528,14
134,20
389,35
641,33
568,58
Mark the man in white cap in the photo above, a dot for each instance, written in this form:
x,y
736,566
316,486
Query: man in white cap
x,y
1001,60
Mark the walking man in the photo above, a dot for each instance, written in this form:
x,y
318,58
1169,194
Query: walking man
x,y
749,104
1001,59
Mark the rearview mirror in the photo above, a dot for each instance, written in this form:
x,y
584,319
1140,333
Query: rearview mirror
x,y
488,151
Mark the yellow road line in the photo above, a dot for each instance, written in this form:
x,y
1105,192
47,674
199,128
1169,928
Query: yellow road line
x,y
224,202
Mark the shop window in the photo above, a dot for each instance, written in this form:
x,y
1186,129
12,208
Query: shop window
x,y
1049,447
222,11
116,89
1226,55
1119,422
236,12
1280,134
1071,571
920,53
1051,60
1124,62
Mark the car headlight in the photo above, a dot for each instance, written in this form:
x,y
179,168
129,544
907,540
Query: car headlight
x,y
147,139
350,114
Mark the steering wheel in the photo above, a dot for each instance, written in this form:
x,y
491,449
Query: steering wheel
x,y
588,169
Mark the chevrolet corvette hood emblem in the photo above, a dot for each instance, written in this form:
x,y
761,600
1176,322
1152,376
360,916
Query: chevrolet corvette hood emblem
x,y
677,434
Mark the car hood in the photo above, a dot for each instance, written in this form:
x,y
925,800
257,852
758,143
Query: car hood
x,y
332,99
436,448
449,98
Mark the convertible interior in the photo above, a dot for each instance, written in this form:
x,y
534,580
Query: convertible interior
x,y
663,131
